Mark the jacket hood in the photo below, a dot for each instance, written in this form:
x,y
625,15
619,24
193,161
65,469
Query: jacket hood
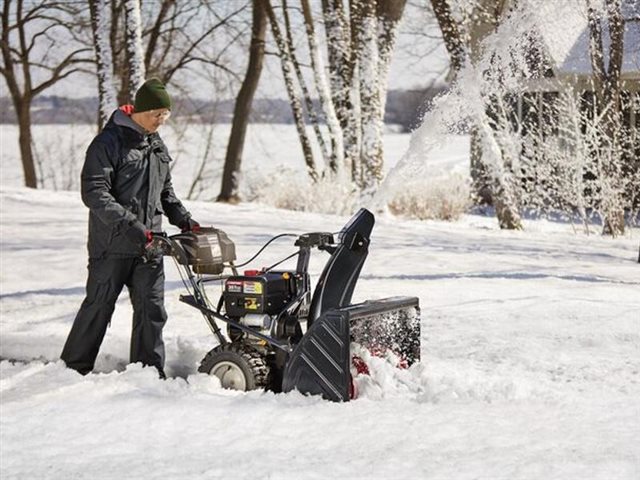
x,y
122,119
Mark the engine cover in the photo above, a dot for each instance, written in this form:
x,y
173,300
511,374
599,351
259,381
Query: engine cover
x,y
263,293
207,251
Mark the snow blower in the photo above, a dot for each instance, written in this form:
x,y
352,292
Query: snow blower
x,y
279,334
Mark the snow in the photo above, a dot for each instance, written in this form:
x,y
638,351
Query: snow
x,y
530,365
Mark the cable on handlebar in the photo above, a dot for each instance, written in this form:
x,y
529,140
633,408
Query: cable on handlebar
x,y
265,246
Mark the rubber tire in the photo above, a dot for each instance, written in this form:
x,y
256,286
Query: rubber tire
x,y
252,365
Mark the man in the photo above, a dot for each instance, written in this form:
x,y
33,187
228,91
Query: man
x,y
126,184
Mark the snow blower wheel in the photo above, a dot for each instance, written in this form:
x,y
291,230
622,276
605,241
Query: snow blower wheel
x,y
237,366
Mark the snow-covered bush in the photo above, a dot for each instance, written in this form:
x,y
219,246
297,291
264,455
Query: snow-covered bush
x,y
568,165
445,197
291,190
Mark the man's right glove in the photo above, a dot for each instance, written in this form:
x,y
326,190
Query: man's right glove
x,y
157,246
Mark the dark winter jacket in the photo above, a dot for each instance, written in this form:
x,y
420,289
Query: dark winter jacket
x,y
126,183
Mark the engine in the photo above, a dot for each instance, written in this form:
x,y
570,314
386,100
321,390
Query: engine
x,y
258,300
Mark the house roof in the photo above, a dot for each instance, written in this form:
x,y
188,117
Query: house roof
x,y
564,31
559,25
578,60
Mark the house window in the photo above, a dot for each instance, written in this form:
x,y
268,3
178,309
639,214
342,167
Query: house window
x,y
588,109
630,110
529,113
538,113
549,117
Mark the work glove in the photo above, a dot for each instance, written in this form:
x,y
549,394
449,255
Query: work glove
x,y
138,234
189,225
156,246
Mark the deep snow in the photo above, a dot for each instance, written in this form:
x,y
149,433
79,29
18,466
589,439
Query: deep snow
x,y
530,365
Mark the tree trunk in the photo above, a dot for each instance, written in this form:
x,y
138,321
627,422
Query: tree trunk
x,y
341,64
119,67
607,91
455,45
135,54
308,101
342,67
389,13
501,178
484,20
380,25
242,110
370,102
504,203
614,220
25,140
104,61
451,35
324,92
491,171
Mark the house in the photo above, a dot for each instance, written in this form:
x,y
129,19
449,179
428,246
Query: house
x,y
560,57
568,62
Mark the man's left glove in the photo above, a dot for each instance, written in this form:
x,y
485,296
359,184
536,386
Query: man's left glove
x,y
189,225
137,234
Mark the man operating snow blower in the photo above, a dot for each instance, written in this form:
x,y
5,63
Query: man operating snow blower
x,y
126,183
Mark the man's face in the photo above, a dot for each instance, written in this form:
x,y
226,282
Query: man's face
x,y
152,120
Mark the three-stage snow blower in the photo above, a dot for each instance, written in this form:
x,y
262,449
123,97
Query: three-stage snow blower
x,y
279,334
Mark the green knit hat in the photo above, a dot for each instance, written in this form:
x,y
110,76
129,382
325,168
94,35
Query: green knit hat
x,y
152,95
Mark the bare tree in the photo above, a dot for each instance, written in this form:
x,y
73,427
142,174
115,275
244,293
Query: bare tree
x,y
174,36
306,95
295,97
39,49
359,38
242,110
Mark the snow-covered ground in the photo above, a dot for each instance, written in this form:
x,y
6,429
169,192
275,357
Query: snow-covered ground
x,y
530,360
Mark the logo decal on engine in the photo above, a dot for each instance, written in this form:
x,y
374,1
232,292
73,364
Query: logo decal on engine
x,y
235,287
252,287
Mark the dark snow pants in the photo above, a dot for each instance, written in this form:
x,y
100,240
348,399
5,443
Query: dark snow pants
x,y
107,276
